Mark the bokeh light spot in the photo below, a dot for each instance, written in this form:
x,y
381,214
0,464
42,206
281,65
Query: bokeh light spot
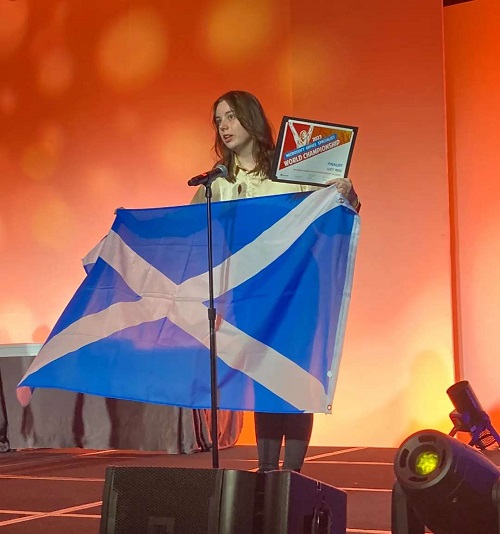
x,y
175,154
133,49
55,71
41,158
8,165
102,182
310,63
37,162
40,334
52,137
17,321
13,22
8,100
127,122
2,233
53,223
237,29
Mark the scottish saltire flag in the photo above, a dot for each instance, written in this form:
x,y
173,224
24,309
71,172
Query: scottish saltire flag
x,y
137,328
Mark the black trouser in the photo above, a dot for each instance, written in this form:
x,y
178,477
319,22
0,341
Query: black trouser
x,y
270,428
4,441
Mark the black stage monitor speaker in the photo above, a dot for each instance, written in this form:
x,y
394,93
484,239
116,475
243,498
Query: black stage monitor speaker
x,y
162,500
296,504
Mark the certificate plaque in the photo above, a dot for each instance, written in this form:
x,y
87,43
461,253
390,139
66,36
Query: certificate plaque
x,y
311,152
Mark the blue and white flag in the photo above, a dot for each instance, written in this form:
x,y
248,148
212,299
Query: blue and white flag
x,y
137,328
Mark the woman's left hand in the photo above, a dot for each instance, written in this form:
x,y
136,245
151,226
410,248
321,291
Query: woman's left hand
x,y
343,185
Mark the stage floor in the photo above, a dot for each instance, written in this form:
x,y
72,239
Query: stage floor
x,y
52,491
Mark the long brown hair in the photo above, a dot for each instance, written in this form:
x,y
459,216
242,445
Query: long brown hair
x,y
250,113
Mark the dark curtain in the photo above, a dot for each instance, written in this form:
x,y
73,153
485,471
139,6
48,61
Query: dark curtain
x,y
62,419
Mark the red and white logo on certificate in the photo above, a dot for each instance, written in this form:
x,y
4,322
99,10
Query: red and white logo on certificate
x,y
311,152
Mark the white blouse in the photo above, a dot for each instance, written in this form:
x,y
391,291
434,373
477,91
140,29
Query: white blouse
x,y
248,185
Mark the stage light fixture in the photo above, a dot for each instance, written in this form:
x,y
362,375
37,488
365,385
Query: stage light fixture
x,y
444,485
469,416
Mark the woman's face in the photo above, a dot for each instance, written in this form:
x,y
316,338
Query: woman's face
x,y
232,133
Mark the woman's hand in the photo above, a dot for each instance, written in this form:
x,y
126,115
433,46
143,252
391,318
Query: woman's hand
x,y
343,185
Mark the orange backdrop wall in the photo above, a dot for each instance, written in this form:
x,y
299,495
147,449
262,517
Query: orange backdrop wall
x,y
473,81
106,104
383,72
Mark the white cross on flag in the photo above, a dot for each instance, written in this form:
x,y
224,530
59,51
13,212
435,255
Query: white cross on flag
x,y
137,327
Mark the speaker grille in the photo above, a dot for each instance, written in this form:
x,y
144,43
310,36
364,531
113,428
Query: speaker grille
x,y
149,500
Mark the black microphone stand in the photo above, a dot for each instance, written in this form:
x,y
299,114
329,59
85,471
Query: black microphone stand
x,y
206,179
214,392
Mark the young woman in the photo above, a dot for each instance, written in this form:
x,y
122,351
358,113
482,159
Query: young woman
x,y
244,144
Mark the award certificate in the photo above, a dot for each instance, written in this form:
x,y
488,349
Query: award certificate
x,y
311,152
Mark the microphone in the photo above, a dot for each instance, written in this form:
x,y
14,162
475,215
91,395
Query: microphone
x,y
209,176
